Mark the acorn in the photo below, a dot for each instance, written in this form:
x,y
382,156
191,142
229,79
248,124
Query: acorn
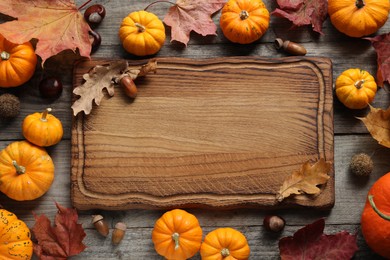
x,y
290,47
119,233
361,164
100,224
274,223
9,106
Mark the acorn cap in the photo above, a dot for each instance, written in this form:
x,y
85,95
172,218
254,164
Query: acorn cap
x,y
9,106
96,218
121,226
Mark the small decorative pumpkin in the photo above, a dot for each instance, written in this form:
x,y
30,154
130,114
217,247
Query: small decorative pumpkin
x,y
357,18
142,33
223,244
177,235
244,21
42,129
27,171
17,63
15,237
355,88
375,222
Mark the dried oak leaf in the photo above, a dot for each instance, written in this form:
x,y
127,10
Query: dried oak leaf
x,y
63,239
310,242
303,12
305,180
186,16
57,24
103,77
377,122
381,44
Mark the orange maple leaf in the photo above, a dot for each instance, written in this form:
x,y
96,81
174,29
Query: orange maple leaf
x,y
56,24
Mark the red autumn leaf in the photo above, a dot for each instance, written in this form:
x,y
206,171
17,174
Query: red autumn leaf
x,y
303,12
186,16
62,240
381,44
57,24
310,242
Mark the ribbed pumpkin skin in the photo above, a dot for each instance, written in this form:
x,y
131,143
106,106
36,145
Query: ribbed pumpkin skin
x,y
247,30
375,229
15,238
138,42
37,177
42,132
20,66
221,239
358,22
352,96
188,228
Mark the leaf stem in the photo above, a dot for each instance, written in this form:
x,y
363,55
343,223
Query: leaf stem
x,y
84,5
159,1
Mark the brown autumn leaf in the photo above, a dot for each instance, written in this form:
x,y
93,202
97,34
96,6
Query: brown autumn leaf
x,y
56,24
63,239
377,122
305,180
381,44
186,16
103,77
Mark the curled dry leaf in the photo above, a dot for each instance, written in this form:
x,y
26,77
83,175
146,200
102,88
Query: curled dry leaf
x,y
106,77
310,242
377,122
305,180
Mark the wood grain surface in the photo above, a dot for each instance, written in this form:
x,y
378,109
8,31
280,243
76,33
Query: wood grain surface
x,y
221,132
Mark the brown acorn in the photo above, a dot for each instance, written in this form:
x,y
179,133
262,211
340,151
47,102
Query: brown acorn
x,y
290,47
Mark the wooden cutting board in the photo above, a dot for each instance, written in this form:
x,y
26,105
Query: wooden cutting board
x,y
212,133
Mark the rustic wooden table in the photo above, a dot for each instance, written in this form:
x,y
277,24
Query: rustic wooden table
x,y
350,137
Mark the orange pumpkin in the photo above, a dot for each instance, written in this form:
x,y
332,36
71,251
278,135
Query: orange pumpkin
x,y
15,238
244,21
223,244
357,18
42,129
177,235
142,33
17,63
27,171
375,221
355,88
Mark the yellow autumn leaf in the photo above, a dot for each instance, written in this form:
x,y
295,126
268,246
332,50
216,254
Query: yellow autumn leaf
x,y
377,122
305,180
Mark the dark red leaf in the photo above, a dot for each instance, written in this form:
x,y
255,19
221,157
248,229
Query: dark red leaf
x,y
310,242
303,12
381,44
62,240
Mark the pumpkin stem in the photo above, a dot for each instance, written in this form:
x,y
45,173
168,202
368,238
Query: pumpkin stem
x,y
175,237
372,203
360,3
140,27
44,114
19,168
244,14
359,83
4,55
225,252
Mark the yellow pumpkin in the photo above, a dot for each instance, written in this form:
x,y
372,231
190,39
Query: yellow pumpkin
x,y
42,129
142,33
17,63
15,238
357,18
244,21
27,171
355,88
